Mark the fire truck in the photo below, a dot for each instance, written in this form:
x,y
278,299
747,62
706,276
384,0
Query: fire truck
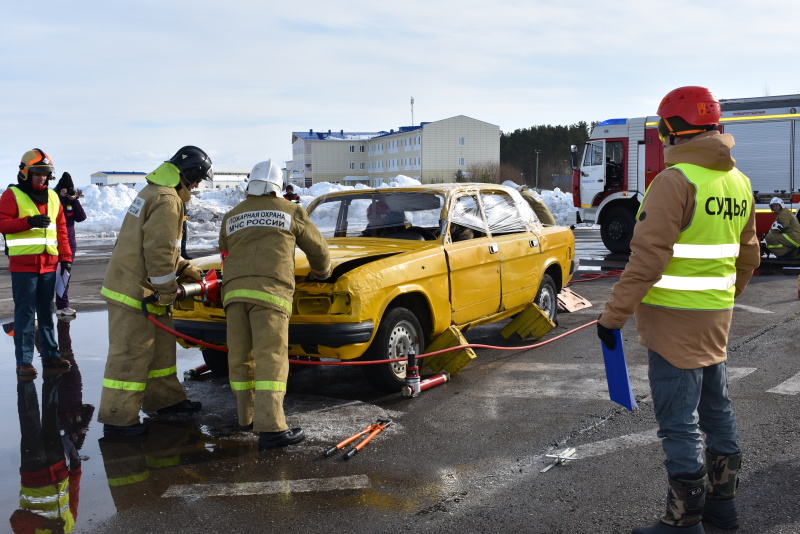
x,y
623,156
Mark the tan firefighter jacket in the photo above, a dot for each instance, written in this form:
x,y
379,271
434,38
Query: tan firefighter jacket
x,y
786,224
257,241
146,257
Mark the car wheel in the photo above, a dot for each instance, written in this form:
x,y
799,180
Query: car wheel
x,y
547,297
217,361
617,230
398,332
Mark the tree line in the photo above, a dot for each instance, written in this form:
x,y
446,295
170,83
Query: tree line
x,y
526,154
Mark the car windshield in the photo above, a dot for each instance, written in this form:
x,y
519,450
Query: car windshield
x,y
377,214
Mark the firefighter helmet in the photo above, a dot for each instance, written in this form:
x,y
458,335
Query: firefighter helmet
x,y
265,178
37,161
776,200
194,164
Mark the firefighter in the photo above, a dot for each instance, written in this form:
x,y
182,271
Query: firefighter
x,y
140,371
783,239
257,243
694,249
32,219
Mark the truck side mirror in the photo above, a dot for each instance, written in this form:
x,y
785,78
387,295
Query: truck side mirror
x,y
574,153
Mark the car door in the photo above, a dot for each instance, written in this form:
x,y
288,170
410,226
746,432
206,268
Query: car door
x,y
474,263
520,249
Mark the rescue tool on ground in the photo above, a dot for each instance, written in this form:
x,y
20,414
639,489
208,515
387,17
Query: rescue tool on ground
x,y
367,434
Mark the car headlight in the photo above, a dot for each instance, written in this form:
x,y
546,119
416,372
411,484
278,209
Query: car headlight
x,y
337,304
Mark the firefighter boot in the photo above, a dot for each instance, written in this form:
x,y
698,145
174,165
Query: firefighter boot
x,y
723,479
685,497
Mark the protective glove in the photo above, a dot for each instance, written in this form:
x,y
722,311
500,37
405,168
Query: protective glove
x,y
39,221
192,272
313,276
66,266
166,299
606,335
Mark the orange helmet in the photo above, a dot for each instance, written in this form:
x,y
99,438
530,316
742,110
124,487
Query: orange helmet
x,y
37,161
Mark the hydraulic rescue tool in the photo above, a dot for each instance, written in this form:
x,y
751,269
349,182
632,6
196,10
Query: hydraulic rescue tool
x,y
414,386
370,432
207,288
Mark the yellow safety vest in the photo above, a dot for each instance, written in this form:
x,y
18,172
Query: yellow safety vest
x,y
702,272
35,240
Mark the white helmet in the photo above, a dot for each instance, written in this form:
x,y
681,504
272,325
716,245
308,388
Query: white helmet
x,y
265,178
776,200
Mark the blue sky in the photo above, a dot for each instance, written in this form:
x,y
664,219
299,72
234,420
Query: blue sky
x,y
120,86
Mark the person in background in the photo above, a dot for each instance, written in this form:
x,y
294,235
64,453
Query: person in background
x,y
290,195
35,230
257,242
688,263
73,212
783,239
141,371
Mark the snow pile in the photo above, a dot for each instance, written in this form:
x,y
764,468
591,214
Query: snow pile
x,y
106,208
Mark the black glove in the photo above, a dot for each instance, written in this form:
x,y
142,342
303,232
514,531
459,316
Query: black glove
x,y
39,221
66,266
606,335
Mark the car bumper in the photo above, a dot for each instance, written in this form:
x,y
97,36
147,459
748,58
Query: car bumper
x,y
326,335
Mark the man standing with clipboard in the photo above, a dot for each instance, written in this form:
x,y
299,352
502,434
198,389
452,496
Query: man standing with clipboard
x,y
693,251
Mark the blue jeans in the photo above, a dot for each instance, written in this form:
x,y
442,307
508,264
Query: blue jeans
x,y
689,403
33,297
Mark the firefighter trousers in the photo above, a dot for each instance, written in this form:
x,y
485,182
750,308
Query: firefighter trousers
x,y
141,371
258,341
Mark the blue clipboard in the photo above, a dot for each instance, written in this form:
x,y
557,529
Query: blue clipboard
x,y
619,384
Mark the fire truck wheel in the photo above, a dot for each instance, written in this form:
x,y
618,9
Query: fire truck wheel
x,y
617,230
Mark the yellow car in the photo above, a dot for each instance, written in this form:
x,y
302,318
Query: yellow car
x,y
408,263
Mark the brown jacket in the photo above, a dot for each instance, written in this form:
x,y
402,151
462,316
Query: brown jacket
x,y
688,339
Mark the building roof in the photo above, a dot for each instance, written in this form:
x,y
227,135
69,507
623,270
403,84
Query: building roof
x,y
111,173
341,135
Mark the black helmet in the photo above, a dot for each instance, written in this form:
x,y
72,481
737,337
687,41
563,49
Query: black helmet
x,y
194,164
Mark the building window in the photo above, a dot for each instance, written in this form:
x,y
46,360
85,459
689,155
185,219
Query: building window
x,y
361,148
352,148
363,165
460,162
462,141
352,166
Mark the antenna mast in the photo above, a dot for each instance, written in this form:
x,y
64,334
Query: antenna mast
x,y
412,111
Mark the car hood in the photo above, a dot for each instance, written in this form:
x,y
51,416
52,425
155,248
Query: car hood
x,y
343,250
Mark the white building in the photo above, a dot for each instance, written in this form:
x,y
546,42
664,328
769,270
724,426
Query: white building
x,y
224,176
430,152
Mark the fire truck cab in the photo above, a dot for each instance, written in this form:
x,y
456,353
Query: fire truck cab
x,y
623,156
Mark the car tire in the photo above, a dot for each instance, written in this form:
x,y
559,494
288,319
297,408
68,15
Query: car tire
x,y
399,330
547,297
617,229
217,361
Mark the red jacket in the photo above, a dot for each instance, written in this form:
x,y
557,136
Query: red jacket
x,y
11,223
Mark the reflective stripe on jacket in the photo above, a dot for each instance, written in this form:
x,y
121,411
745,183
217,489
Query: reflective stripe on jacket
x,y
702,272
35,240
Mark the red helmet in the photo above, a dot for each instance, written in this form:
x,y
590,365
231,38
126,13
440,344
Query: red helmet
x,y
696,105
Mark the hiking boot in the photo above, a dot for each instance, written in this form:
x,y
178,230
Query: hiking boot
x,y
184,406
26,370
273,440
685,499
